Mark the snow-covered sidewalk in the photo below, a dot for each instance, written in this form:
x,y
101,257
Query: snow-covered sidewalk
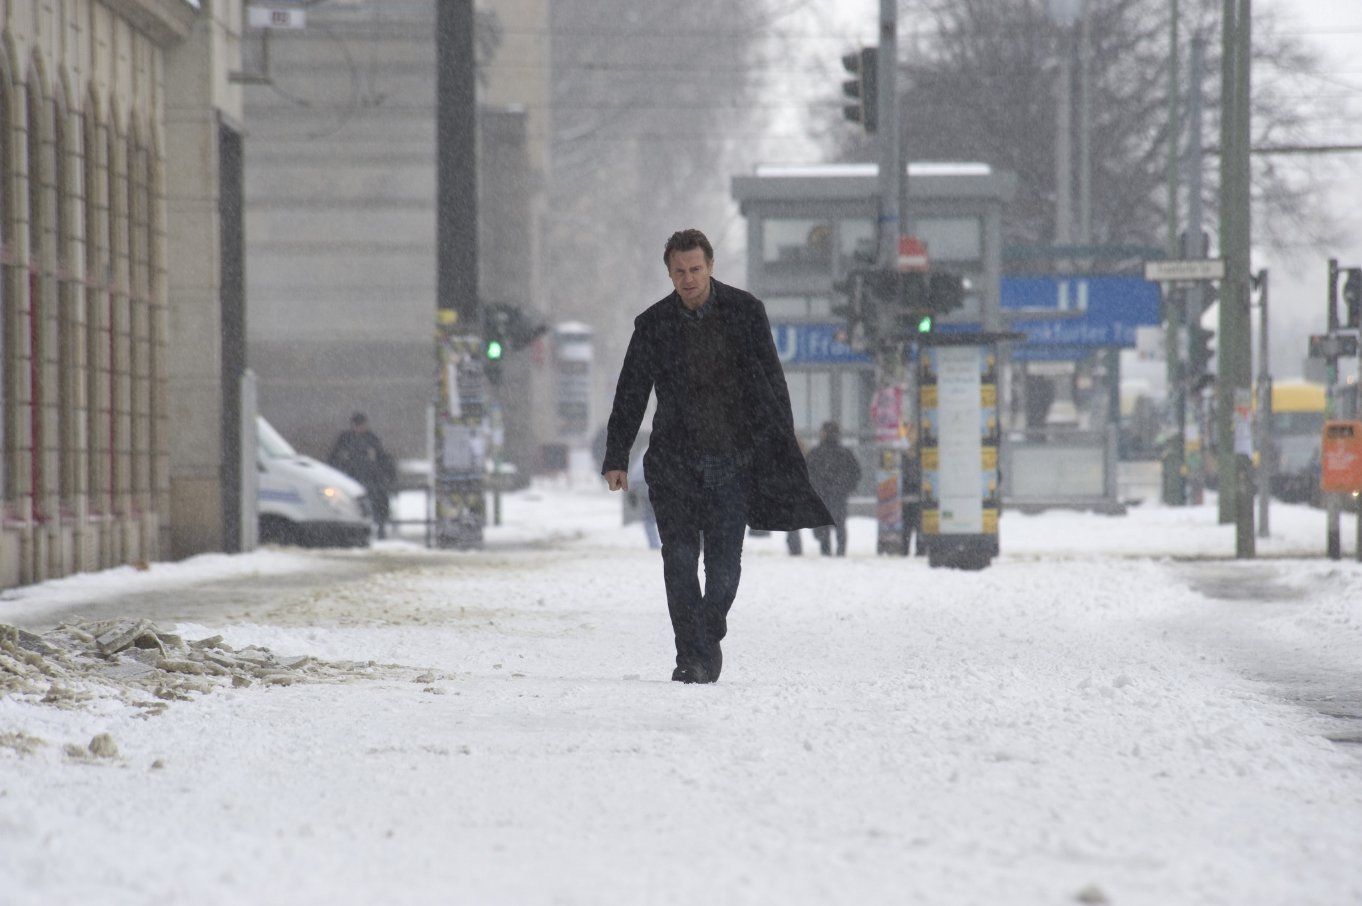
x,y
1062,727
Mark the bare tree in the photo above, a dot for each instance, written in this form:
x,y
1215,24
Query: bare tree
x,y
978,82
656,106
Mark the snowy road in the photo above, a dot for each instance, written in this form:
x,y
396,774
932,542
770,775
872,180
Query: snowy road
x,y
1088,720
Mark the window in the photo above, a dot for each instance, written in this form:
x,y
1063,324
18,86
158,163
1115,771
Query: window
x,y
139,310
96,341
69,358
9,369
810,400
858,244
797,308
951,238
797,244
38,281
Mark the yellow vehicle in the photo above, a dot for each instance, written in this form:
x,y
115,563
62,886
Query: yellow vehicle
x,y
1297,423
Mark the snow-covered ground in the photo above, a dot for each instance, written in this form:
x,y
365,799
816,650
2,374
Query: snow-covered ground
x,y
1092,719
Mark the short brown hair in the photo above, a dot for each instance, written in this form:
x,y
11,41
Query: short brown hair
x,y
684,241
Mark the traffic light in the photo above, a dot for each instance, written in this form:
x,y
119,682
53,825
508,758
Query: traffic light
x,y
853,311
945,292
1199,353
861,87
493,349
895,306
504,328
1352,297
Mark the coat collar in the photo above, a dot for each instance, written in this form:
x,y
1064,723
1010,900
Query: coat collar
x,y
720,296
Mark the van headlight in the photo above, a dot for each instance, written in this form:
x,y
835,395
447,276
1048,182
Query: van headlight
x,y
336,500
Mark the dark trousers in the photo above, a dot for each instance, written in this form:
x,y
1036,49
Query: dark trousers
x,y
380,506
706,514
824,532
912,525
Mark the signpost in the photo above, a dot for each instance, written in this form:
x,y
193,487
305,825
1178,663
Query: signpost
x,y
1170,274
912,254
1184,271
274,17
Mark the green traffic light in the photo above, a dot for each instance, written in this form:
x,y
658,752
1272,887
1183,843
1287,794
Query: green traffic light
x,y
493,350
925,324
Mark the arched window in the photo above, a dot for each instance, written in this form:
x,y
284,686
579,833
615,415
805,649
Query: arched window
x,y
97,408
139,310
36,322
70,358
120,439
9,310
155,233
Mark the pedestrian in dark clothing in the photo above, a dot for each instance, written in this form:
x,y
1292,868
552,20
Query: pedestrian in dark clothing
x,y
359,453
835,473
911,495
722,455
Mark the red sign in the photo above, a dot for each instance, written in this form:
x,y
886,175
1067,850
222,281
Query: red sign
x,y
912,254
1341,457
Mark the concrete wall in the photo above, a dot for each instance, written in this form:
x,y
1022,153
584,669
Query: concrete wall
x,y
341,190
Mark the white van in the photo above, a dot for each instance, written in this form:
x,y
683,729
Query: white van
x,y
304,501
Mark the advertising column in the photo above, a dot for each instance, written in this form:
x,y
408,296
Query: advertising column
x,y
959,440
461,433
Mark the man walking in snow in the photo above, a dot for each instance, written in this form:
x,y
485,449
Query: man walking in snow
x,y
723,453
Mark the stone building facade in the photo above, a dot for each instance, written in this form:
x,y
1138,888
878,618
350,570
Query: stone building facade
x,y
113,444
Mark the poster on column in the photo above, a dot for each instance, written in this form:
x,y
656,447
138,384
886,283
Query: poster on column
x,y
954,483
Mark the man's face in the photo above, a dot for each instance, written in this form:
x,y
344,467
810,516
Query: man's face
x,y
690,275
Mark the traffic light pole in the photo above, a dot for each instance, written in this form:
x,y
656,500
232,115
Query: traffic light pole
x,y
892,190
892,171
1333,506
1233,391
1266,454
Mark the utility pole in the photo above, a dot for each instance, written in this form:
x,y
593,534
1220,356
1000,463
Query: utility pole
x,y
1233,389
1195,296
1174,317
893,182
456,173
1333,506
459,398
893,175
1265,451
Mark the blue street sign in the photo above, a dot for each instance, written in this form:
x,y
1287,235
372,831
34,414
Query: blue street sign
x,y
1107,309
814,344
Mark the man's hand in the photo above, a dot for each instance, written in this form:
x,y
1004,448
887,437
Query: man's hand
x,y
617,480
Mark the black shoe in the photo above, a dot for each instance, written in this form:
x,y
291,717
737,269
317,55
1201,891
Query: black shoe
x,y
714,662
691,673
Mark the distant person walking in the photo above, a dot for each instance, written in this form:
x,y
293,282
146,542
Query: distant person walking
x,y
722,455
835,473
359,453
911,497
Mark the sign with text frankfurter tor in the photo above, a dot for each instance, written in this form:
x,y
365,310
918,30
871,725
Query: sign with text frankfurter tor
x,y
1186,270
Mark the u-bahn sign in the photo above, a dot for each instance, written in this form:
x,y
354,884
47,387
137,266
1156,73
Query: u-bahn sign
x,y
1069,312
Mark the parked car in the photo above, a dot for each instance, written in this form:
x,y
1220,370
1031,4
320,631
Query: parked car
x,y
304,501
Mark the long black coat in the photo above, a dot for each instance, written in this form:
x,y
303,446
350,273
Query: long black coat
x,y
780,497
